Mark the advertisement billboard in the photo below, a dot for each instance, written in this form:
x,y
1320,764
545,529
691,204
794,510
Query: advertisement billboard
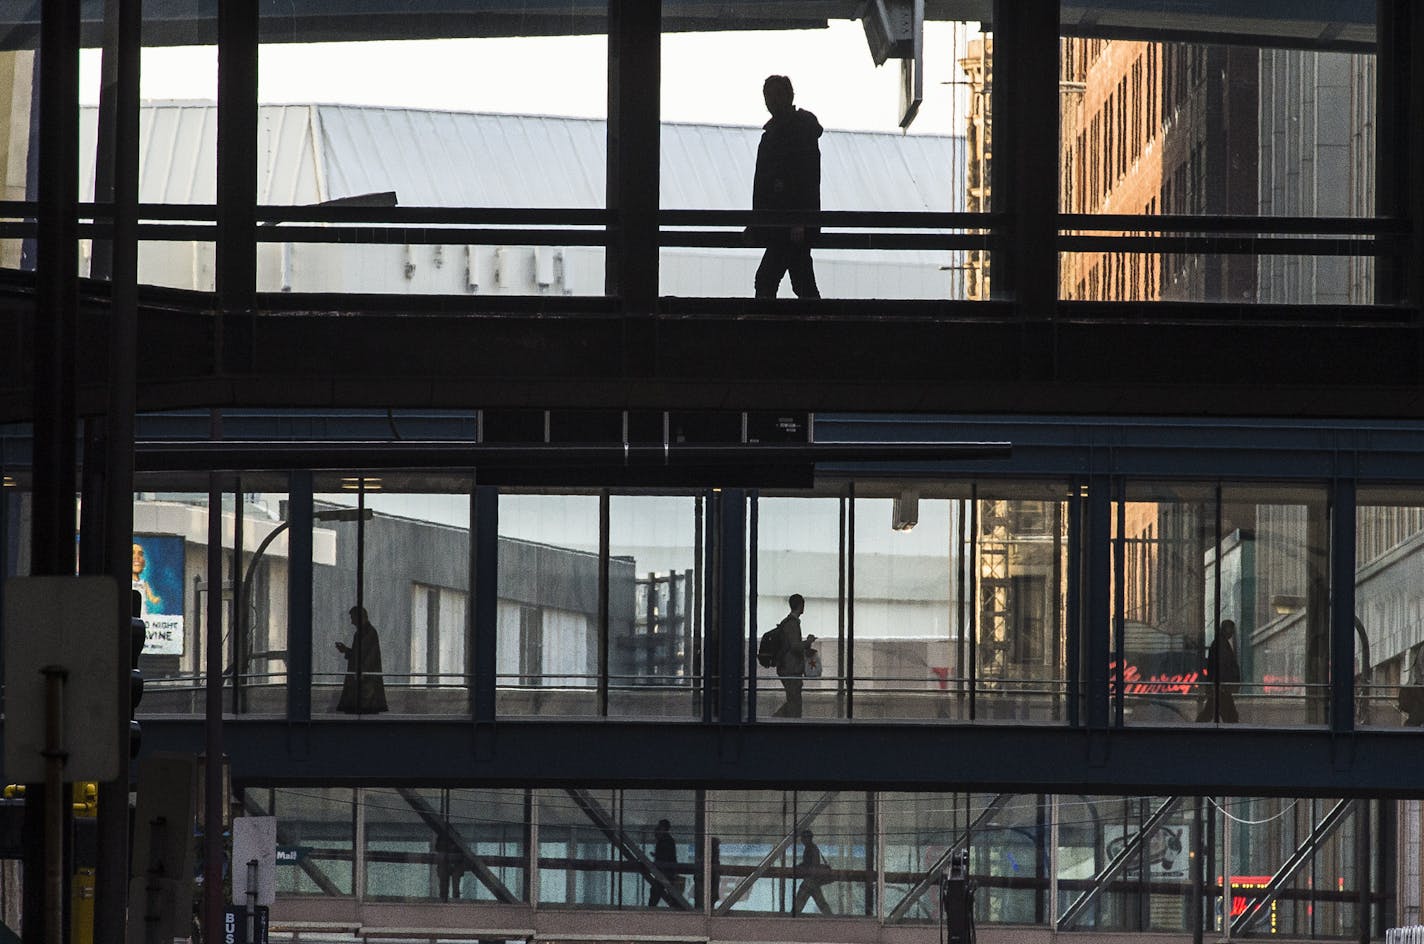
x,y
158,576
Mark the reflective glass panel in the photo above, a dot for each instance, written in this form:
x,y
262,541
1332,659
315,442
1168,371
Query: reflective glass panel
x,y
547,643
1389,587
1161,552
800,853
847,138
452,108
800,547
655,597
908,610
390,600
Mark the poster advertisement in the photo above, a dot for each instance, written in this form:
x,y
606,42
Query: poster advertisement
x,y
158,577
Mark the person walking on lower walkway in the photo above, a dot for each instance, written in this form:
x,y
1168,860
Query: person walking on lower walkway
x,y
665,861
815,874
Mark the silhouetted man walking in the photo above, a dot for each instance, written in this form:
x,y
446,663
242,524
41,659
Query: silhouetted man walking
x,y
788,177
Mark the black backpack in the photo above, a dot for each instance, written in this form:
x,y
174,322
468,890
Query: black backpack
x,y
769,650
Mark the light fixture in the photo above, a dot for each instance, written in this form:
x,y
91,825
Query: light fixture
x,y
10,481
905,511
353,484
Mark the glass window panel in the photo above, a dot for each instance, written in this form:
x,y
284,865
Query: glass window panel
x,y
177,141
1274,585
798,554
400,550
805,853
451,109
444,845
1389,645
854,155
1017,552
1196,277
546,648
18,128
1187,126
1167,533
1149,839
908,609
316,826
655,597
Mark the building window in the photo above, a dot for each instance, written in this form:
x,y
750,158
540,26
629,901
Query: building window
x,y
437,634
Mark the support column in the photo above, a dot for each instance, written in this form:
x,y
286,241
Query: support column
x,y
731,585
634,105
122,53
236,172
54,327
1098,612
299,596
1342,606
485,603
1024,172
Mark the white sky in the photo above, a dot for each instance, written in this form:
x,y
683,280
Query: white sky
x,y
707,77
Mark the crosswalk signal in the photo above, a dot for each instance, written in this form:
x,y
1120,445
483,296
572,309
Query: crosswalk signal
x,y
138,632
957,900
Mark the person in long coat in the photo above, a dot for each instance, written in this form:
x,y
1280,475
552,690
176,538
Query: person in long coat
x,y
363,690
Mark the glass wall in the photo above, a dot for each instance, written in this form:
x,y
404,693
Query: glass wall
x,y
908,606
619,849
390,598
655,605
1164,535
445,845
509,112
800,552
797,853
1177,123
1296,868
865,126
547,648
1016,545
317,829
1389,588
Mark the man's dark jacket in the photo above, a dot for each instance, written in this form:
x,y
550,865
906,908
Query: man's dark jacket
x,y
788,168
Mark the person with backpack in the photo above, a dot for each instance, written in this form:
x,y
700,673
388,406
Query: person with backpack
x,y
791,656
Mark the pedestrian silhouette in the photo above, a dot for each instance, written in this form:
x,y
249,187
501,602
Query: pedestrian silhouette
x,y
363,690
788,177
815,874
1223,676
791,663
665,861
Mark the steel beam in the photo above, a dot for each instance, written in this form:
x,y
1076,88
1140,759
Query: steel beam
x,y
1186,760
742,887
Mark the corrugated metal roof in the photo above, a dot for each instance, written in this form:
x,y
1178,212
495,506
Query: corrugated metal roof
x,y
310,153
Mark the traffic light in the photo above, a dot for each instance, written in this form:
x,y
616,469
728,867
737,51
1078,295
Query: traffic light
x,y
138,632
957,900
